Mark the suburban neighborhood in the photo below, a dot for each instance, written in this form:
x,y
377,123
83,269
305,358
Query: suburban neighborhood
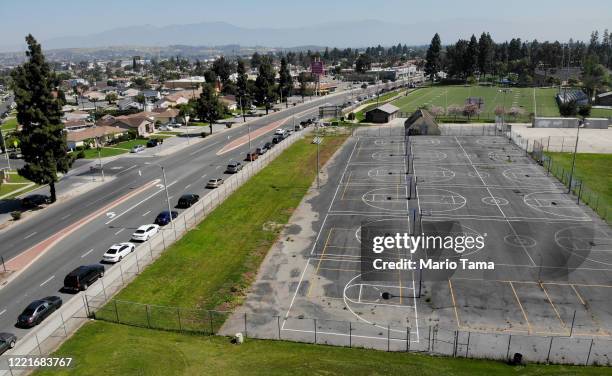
x,y
422,190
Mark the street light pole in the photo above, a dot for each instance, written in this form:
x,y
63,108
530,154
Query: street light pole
x,y
8,160
167,197
318,142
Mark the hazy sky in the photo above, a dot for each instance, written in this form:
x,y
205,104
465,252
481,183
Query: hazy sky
x,y
533,18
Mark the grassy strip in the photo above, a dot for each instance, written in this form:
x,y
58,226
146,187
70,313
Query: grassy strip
x,y
109,349
9,125
594,171
211,266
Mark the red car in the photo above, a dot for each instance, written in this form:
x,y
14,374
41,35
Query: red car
x,y
252,156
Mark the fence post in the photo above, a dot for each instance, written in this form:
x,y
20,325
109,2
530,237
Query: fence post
x,y
455,344
407,339
86,305
3,266
350,334
572,327
429,339
589,354
315,330
508,351
148,316
210,319
467,349
103,289
388,338
137,264
579,194
178,314
278,326
64,325
38,344
121,271
116,310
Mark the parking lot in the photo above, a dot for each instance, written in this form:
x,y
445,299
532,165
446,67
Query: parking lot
x,y
552,257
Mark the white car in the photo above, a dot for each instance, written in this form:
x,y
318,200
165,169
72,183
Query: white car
x,y
144,232
166,128
118,251
280,131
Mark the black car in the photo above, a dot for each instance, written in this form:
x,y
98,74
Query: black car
x,y
153,142
268,145
34,201
7,341
187,200
277,139
38,310
163,218
82,277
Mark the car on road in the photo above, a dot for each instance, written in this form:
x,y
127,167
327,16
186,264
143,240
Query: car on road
x,y
38,310
144,232
280,131
137,149
277,139
82,277
165,217
15,155
268,145
7,342
153,142
117,252
251,156
234,167
34,201
166,128
188,199
214,183
262,150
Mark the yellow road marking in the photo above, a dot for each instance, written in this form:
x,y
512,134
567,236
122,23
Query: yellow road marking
x,y
578,295
553,305
450,285
320,261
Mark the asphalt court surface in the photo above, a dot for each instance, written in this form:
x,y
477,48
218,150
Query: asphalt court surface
x,y
553,258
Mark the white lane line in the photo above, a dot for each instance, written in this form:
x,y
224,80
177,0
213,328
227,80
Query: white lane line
x,y
127,169
29,236
170,197
48,279
86,253
66,216
146,213
2,312
203,176
120,231
204,148
218,167
187,186
138,203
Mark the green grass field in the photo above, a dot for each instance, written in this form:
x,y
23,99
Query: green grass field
x,y
101,348
594,170
601,112
538,101
9,125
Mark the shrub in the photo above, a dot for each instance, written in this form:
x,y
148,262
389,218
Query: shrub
x,y
203,134
80,154
585,110
16,215
351,116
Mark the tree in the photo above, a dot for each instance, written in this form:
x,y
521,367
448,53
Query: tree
x,y
584,110
242,83
285,81
223,69
569,108
363,63
470,109
111,97
471,57
594,76
485,53
265,94
454,110
432,58
436,111
208,106
140,98
42,138
255,60
303,79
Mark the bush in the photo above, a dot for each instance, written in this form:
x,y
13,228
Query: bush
x,y
203,134
80,154
16,215
585,110
568,109
351,116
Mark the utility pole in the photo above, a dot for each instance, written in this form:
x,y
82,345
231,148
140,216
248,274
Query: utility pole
x,y
569,188
8,160
167,196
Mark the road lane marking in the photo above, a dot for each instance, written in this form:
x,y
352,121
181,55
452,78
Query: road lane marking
x,y
48,279
187,186
204,148
203,176
127,169
138,203
86,253
120,231
146,213
2,312
66,216
29,236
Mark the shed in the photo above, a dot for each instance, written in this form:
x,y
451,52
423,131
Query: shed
x,y
382,114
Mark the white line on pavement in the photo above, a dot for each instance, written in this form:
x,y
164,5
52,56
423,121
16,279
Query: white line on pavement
x,y
187,186
86,253
127,169
3,312
66,216
204,148
29,236
138,203
120,231
48,279
146,213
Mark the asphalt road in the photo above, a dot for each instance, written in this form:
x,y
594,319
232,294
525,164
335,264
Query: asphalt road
x,y
187,172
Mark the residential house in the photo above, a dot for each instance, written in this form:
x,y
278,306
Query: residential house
x,y
76,125
177,98
142,122
166,116
229,101
130,92
129,104
76,115
99,135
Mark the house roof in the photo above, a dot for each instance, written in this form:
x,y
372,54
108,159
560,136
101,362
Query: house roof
x,y
166,113
187,94
387,107
93,132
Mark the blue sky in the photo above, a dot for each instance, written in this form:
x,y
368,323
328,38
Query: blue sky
x,y
531,18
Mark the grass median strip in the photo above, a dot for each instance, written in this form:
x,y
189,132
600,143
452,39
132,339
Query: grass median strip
x,y
101,348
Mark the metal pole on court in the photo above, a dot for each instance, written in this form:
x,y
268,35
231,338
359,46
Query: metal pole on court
x,y
573,160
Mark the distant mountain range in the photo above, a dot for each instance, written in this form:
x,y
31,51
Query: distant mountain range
x,y
338,34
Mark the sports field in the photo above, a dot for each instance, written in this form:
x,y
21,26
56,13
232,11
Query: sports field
x,y
540,102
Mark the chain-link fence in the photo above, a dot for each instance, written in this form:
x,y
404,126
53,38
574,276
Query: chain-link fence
x,y
542,151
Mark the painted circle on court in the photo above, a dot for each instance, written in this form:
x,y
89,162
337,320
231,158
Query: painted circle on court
x,y
497,201
389,198
489,141
586,242
441,200
425,141
520,240
526,175
430,156
389,155
435,174
554,203
480,174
